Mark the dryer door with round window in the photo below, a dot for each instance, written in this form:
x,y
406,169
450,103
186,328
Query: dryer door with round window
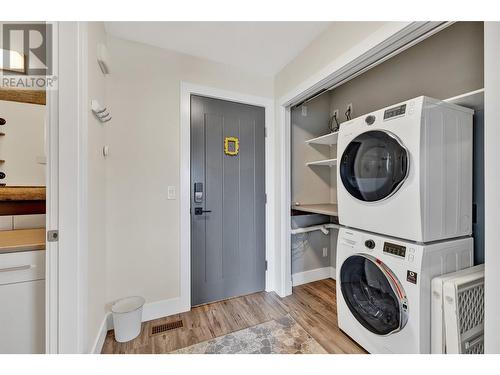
x,y
374,165
373,294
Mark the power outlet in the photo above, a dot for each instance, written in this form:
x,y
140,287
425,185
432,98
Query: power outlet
x,y
325,252
349,110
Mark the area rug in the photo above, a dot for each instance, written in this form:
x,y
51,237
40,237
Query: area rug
x,y
280,336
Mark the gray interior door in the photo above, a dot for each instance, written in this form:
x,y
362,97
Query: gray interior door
x,y
227,200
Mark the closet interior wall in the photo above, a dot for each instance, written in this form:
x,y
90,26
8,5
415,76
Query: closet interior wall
x,y
445,65
312,184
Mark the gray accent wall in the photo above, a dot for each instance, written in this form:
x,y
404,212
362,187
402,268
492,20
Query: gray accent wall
x,y
334,235
478,187
445,65
307,248
310,184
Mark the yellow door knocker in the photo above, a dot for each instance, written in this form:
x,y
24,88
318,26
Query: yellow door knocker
x,y
231,146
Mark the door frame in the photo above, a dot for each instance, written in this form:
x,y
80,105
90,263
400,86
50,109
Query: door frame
x,y
186,90
51,211
380,46
66,267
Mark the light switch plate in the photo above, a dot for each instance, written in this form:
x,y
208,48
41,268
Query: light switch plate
x,y
171,192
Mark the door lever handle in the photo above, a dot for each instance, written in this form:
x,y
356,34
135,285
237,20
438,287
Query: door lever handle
x,y
200,211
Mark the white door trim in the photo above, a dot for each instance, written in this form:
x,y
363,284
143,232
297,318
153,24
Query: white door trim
x,y
52,211
186,89
386,42
66,205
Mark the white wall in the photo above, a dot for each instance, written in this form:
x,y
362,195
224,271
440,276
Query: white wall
x,y
142,226
326,48
96,220
492,176
23,145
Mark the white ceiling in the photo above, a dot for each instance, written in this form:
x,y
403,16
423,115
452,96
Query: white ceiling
x,y
259,47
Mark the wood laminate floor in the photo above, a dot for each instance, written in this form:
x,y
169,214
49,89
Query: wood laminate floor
x,y
312,305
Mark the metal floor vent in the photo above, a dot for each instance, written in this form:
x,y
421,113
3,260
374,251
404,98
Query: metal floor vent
x,y
160,328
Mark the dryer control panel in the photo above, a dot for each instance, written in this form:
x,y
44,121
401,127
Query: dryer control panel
x,y
398,111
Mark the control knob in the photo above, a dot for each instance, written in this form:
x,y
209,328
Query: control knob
x,y
370,119
370,244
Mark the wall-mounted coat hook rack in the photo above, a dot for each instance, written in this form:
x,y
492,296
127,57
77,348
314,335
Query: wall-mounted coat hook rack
x,y
100,112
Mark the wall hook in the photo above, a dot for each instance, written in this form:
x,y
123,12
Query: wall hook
x,y
100,112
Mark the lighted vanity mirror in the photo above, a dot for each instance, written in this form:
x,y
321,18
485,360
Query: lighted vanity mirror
x,y
22,152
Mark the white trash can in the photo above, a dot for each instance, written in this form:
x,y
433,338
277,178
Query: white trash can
x,y
127,317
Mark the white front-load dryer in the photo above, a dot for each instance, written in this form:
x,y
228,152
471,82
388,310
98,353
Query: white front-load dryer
x,y
406,171
384,286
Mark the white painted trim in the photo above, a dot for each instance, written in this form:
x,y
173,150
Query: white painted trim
x,y
305,277
389,40
162,308
101,336
492,186
186,89
52,210
71,267
151,311
284,288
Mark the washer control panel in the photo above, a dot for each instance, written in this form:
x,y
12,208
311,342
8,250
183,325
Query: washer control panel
x,y
393,249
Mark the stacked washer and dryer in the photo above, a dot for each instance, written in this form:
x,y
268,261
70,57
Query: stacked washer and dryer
x,y
404,186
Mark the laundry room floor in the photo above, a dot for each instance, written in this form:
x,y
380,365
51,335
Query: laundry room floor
x,y
312,307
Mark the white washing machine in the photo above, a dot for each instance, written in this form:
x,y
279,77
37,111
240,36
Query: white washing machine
x,y
406,171
384,288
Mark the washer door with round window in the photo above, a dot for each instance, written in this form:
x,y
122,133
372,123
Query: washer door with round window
x,y
373,294
374,165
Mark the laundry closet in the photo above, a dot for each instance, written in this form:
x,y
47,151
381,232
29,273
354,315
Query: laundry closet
x,y
446,66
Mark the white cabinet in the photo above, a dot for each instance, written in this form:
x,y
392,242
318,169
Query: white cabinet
x,y
22,302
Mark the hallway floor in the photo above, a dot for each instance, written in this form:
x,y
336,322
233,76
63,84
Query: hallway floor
x,y
311,305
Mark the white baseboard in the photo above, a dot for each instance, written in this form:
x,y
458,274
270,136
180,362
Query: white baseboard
x,y
305,277
166,307
158,309
103,330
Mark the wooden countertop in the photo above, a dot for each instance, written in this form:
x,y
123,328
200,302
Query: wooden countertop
x,y
22,193
22,240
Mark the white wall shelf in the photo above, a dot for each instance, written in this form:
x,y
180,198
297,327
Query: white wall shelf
x,y
329,209
326,163
473,100
327,139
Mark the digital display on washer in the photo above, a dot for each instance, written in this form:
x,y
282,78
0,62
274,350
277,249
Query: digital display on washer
x,y
395,111
394,249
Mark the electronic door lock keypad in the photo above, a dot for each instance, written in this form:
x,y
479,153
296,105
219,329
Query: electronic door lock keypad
x,y
198,192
